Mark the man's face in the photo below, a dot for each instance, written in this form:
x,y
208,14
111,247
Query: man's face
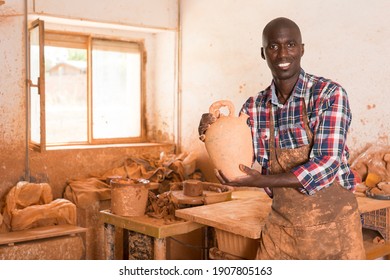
x,y
283,49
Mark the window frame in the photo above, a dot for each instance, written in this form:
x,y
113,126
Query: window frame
x,y
43,145
40,85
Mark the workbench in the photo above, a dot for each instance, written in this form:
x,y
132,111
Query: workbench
x,y
143,228
245,217
59,242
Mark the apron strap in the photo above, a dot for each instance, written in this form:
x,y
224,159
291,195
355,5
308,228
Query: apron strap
x,y
273,145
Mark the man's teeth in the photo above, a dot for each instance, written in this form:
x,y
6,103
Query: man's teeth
x,y
284,64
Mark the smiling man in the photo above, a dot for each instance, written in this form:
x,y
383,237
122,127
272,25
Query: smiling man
x,y
299,128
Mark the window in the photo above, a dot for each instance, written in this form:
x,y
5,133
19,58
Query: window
x,y
84,90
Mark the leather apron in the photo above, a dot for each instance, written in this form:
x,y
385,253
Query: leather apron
x,y
325,225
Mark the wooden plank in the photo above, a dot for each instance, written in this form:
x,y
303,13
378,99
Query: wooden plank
x,y
243,216
367,204
157,228
39,233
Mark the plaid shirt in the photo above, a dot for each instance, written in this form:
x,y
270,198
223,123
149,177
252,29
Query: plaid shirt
x,y
329,119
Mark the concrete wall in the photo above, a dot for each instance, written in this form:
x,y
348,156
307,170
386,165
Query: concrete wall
x,y
344,40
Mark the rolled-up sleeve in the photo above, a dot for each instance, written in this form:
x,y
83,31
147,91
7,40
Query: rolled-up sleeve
x,y
332,120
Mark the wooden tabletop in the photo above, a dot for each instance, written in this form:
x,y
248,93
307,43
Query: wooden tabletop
x,y
246,216
367,204
157,228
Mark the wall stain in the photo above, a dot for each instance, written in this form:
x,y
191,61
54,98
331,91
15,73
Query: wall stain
x,y
242,87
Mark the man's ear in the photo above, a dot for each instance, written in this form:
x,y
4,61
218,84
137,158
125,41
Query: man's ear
x,y
303,49
262,53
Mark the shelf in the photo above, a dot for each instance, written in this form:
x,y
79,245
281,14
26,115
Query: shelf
x,y
33,234
374,251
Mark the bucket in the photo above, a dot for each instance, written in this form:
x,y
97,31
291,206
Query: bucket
x,y
129,197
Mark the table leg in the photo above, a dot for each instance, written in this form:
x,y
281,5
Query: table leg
x,y
109,241
387,230
160,249
205,250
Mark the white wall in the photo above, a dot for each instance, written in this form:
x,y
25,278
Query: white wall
x,y
145,13
344,40
162,102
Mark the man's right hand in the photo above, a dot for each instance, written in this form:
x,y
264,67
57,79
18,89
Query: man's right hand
x,y
205,122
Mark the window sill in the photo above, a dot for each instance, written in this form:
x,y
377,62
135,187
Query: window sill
x,y
102,146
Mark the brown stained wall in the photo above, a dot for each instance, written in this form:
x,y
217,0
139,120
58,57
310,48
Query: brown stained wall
x,y
12,96
12,162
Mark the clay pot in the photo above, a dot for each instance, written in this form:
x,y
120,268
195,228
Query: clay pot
x,y
129,197
229,140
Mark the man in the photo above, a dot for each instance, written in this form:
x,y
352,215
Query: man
x,y
299,126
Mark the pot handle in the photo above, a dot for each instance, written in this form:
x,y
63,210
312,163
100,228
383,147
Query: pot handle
x,y
214,108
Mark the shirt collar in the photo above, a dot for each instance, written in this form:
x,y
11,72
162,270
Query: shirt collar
x,y
297,91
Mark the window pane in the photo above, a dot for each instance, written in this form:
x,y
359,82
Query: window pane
x,y
34,96
116,87
66,95
35,115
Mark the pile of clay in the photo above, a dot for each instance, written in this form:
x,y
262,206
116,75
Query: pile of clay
x,y
382,188
193,192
